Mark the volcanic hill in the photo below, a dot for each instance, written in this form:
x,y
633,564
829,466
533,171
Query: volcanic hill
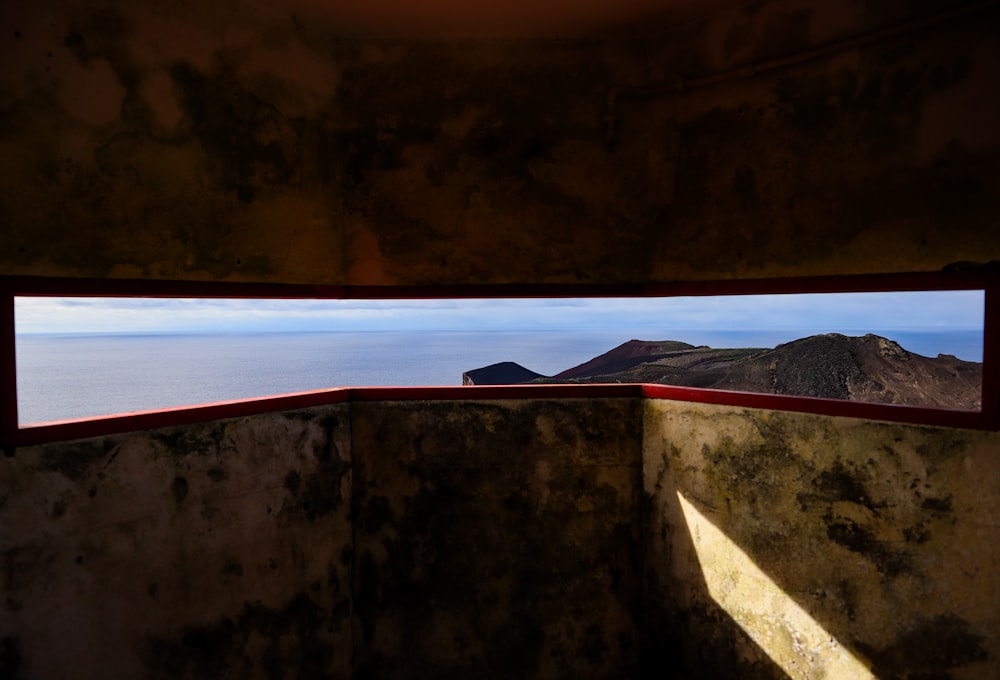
x,y
866,368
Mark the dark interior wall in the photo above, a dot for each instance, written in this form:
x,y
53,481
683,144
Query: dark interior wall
x,y
596,538
243,141
878,157
213,550
251,142
376,540
497,539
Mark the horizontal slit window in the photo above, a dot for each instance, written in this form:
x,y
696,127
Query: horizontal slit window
x,y
79,353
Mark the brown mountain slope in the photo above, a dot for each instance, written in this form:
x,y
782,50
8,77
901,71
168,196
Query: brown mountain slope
x,y
867,368
625,356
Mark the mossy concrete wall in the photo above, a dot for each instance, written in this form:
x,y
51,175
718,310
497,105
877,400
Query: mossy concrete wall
x,y
277,142
598,538
827,547
498,540
212,550
378,540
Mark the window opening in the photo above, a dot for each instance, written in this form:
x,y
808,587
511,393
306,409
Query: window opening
x,y
80,357
977,288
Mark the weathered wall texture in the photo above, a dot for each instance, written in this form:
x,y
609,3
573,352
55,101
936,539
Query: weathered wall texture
x,y
530,538
498,539
833,544
269,141
261,141
214,550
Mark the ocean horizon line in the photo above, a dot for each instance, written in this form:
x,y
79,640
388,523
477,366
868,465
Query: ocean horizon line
x,y
587,329
84,374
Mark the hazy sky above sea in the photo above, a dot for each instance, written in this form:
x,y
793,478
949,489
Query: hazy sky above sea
x,y
655,317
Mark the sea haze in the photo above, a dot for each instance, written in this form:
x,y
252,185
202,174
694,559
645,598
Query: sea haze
x,y
61,376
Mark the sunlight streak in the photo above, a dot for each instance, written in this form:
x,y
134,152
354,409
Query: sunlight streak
x,y
783,629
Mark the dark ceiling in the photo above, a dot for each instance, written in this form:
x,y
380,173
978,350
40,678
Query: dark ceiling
x,y
494,18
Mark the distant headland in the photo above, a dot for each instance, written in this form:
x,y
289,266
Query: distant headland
x,y
861,368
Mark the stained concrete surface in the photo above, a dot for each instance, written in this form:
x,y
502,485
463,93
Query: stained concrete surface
x,y
253,141
212,550
599,538
241,142
488,538
885,536
497,539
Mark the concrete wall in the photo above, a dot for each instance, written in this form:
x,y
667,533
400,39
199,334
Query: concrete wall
x,y
264,141
382,540
791,545
498,539
525,538
214,550
269,141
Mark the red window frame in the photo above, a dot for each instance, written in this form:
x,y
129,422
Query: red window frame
x,y
12,434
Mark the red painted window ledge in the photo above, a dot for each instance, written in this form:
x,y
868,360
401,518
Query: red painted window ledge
x,y
13,435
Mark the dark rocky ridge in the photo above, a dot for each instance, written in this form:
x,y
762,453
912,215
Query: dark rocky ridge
x,y
867,368
504,373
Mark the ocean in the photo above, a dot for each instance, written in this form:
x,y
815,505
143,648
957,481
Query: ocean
x,y
61,376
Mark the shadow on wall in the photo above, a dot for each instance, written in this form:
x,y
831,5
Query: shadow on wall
x,y
686,632
871,553
207,550
497,540
502,540
384,540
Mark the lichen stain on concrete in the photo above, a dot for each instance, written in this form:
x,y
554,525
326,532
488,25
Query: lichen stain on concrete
x,y
76,461
318,494
840,483
182,442
889,560
884,515
295,639
466,561
139,517
179,487
931,648
293,481
937,505
255,145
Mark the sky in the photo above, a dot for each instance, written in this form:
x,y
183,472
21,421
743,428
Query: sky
x,y
811,313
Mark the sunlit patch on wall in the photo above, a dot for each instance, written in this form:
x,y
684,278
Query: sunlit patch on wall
x,y
781,627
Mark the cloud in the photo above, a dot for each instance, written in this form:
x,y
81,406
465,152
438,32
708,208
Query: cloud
x,y
854,312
